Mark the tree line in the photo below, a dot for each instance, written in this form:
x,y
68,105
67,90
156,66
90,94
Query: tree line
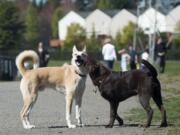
x,y
23,24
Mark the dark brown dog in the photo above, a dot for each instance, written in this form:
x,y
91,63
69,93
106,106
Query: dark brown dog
x,y
118,86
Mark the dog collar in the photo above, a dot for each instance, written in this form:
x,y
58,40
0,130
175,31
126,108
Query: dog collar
x,y
81,75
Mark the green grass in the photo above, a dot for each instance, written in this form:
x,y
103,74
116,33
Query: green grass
x,y
57,62
172,67
170,89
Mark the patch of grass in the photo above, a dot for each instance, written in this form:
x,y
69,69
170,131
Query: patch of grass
x,y
172,68
174,131
173,116
171,104
57,62
171,98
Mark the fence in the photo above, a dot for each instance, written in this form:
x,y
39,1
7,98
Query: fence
x,y
8,70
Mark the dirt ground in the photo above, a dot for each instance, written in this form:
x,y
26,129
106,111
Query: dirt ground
x,y
48,113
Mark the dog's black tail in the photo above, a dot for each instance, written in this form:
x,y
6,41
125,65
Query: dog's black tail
x,y
151,68
156,86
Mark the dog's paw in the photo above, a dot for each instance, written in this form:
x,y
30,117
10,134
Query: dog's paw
x,y
71,126
121,122
109,126
164,124
80,125
29,126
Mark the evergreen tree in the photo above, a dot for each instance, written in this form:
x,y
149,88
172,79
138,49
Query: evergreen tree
x,y
58,14
92,42
76,35
119,4
127,34
32,25
104,4
177,36
125,37
55,3
11,27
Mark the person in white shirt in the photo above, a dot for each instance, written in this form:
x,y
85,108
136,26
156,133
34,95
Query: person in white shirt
x,y
145,55
125,58
109,53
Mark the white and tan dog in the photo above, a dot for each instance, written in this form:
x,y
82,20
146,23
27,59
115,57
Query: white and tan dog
x,y
69,79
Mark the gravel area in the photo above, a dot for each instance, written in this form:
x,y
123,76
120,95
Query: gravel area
x,y
48,113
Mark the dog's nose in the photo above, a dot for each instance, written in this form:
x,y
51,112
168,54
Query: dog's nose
x,y
78,57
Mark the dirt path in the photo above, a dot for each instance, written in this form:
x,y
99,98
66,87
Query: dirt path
x,y
48,113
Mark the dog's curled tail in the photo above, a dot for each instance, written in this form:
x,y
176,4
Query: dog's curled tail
x,y
151,68
24,56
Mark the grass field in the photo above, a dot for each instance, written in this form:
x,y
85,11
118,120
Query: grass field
x,y
172,67
171,97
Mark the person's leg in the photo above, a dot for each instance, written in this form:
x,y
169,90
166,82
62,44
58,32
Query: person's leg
x,y
158,60
163,63
111,62
106,63
132,65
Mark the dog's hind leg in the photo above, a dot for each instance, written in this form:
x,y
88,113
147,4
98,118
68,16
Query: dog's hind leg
x,y
119,119
29,100
25,113
69,101
158,100
144,100
113,113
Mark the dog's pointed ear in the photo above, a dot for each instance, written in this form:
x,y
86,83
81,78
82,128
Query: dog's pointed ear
x,y
84,49
74,49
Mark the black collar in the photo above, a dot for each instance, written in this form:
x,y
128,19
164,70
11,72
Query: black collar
x,y
81,75
99,80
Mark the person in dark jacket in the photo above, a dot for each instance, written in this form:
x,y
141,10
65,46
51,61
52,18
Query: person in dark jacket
x,y
133,57
160,53
43,55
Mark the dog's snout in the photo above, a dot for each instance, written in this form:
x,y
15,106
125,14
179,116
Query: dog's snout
x,y
78,57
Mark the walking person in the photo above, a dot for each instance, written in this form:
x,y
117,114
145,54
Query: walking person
x,y
43,55
133,57
109,53
125,58
160,53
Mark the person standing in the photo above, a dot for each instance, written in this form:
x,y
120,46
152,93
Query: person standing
x,y
109,53
43,55
145,55
133,57
160,53
125,58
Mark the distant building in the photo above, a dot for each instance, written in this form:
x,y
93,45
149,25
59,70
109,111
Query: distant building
x,y
151,21
120,20
172,19
99,22
67,20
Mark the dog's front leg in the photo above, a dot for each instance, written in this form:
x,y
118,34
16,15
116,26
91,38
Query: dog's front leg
x,y
78,102
113,113
69,100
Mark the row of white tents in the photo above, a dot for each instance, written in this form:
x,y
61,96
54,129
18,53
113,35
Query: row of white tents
x,y
150,20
